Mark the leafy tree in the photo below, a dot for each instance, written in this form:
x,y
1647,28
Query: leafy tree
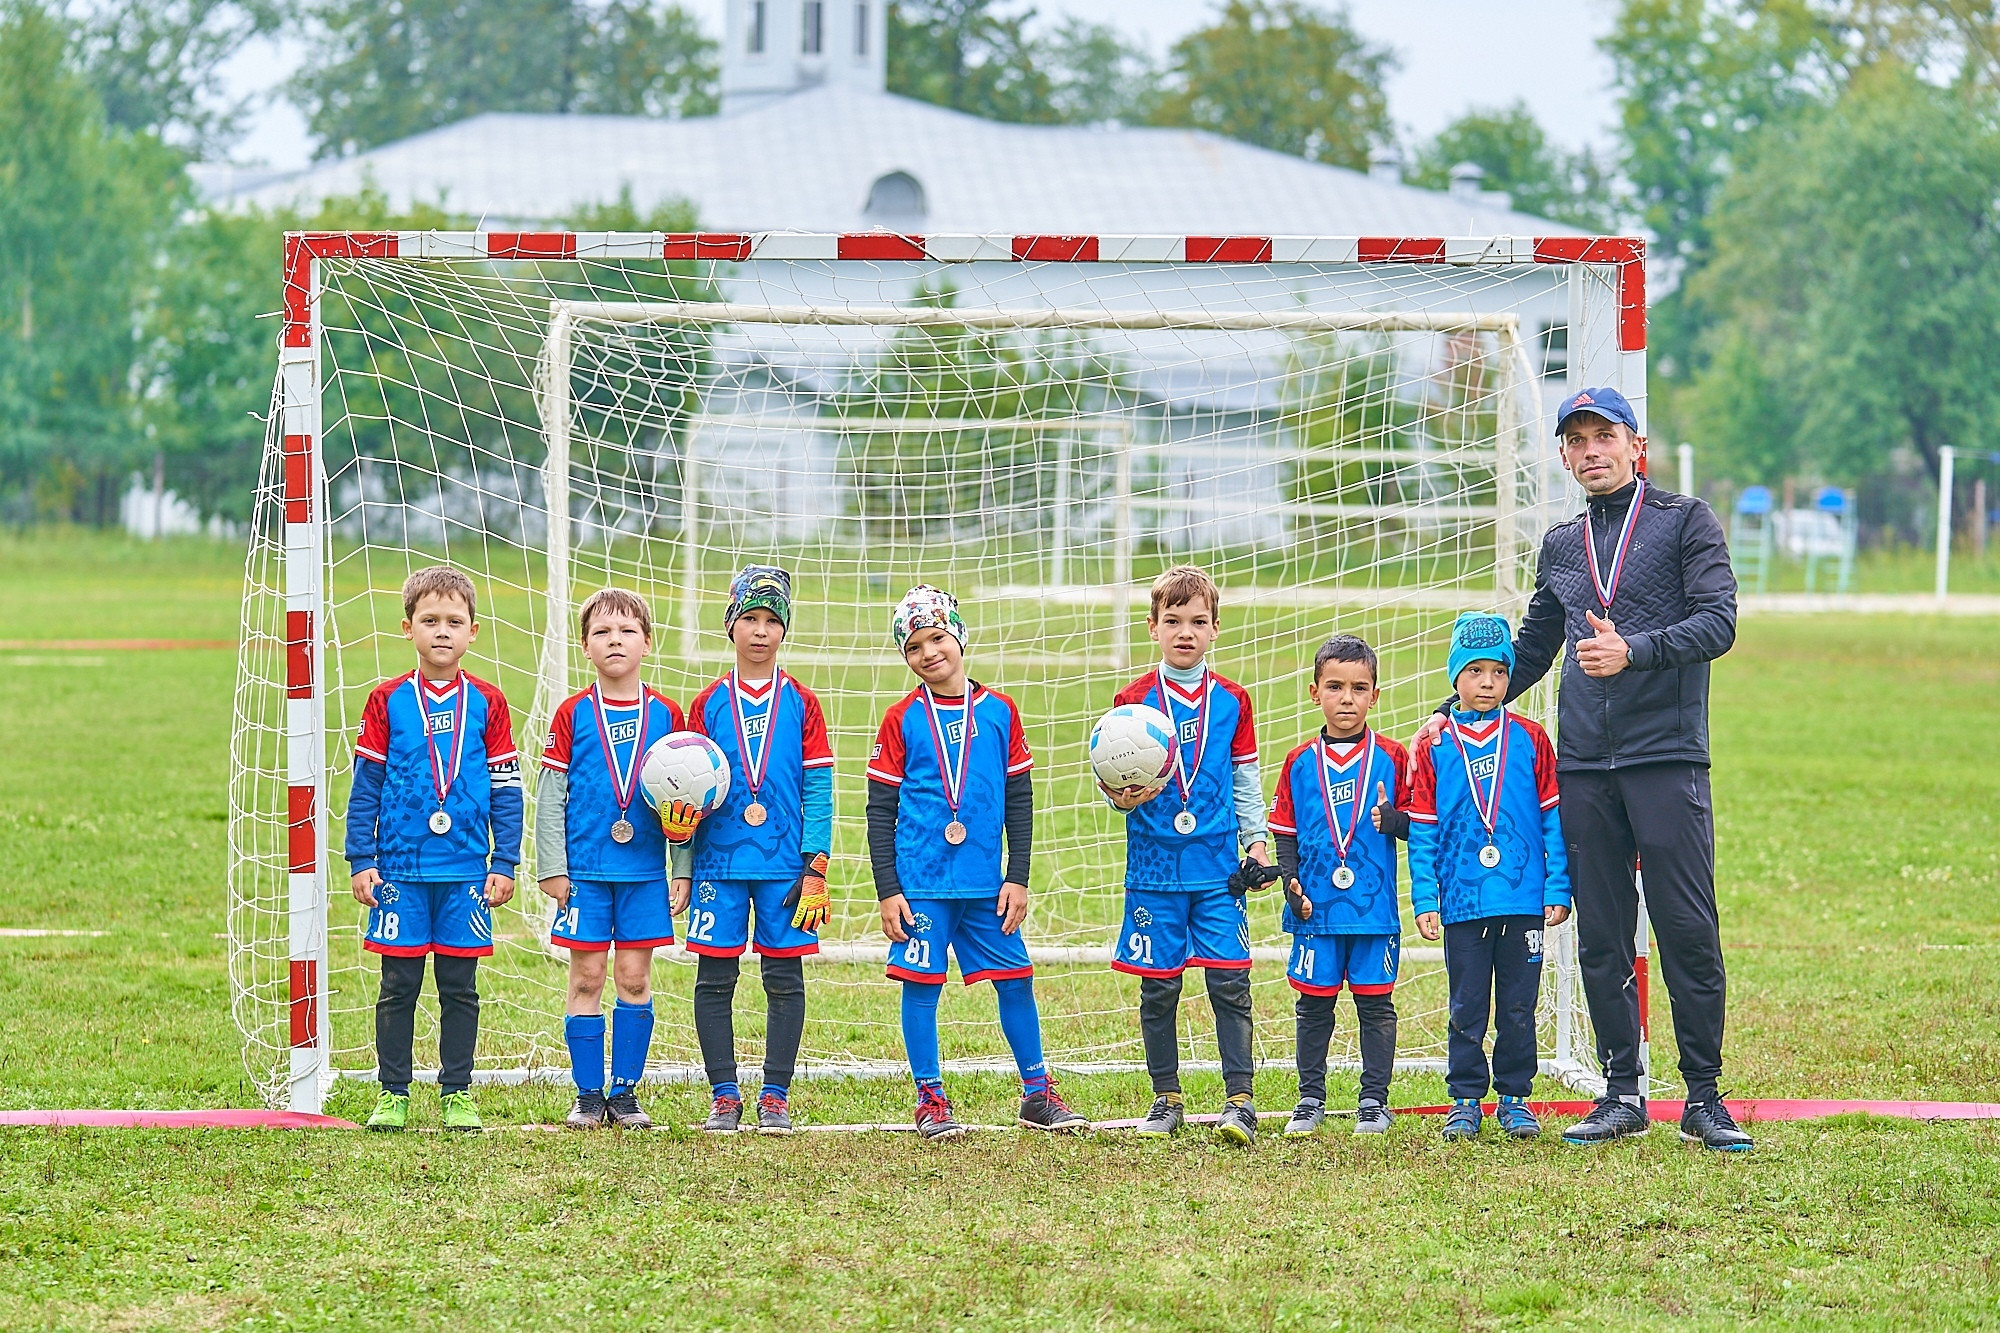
x,y
963,55
1510,147
1284,75
156,65
1098,76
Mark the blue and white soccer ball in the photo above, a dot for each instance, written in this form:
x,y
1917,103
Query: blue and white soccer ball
x,y
1132,746
685,766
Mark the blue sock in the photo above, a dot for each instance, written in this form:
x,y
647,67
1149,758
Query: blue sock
x,y
777,1090
1021,1023
728,1090
631,1039
920,1033
584,1035
397,1089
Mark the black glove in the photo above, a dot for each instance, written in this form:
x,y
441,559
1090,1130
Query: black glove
x,y
1252,874
1295,898
1390,820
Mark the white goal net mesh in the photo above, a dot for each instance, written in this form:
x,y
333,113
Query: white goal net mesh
x,y
1357,448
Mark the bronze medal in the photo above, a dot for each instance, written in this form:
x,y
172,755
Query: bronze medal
x,y
621,831
954,833
754,814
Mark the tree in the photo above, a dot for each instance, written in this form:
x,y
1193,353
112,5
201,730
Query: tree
x,y
961,54
1510,147
1855,284
1284,75
1098,76
157,65
377,72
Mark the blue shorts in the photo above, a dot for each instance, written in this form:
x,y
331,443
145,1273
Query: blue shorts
x,y
1166,933
719,919
970,928
632,913
412,919
1366,963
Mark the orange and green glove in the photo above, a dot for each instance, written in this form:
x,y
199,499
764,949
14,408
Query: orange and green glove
x,y
809,895
679,819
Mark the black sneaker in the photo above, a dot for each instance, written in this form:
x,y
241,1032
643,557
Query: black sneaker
x,y
935,1122
588,1112
725,1115
1048,1111
1163,1121
1711,1125
621,1109
774,1114
1612,1118
1238,1123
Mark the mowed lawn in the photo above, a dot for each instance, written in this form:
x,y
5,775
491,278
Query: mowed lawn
x,y
1859,864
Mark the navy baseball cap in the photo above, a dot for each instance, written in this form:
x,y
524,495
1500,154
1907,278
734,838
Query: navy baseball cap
x,y
1607,403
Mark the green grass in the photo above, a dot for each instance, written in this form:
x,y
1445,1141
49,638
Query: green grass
x,y
1859,865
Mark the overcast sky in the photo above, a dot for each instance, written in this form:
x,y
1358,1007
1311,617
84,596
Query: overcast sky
x,y
1453,54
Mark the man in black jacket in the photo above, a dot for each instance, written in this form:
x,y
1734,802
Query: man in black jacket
x,y
1637,596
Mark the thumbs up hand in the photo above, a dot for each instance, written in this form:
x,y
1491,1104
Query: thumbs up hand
x,y
1386,817
1604,654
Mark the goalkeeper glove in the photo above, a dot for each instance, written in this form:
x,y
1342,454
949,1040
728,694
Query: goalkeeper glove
x,y
1295,898
1388,819
1252,874
809,895
679,819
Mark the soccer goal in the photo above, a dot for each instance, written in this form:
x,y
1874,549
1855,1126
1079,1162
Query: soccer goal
x,y
1351,434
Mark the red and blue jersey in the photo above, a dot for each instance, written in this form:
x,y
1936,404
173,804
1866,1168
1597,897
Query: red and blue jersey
x,y
1452,783
418,735
1346,774
578,734
1215,734
989,745
775,737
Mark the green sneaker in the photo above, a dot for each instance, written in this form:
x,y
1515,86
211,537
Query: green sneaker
x,y
392,1113
459,1113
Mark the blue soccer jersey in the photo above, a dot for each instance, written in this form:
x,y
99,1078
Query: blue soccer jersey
x,y
429,749
924,744
1326,793
1453,804
774,735
599,744
1214,733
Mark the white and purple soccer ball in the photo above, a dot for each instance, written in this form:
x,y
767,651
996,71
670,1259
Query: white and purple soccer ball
x,y
685,766
1132,746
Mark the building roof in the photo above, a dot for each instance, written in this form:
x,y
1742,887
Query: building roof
x,y
809,161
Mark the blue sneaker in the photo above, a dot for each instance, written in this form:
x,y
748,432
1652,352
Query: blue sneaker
x,y
1463,1121
1516,1120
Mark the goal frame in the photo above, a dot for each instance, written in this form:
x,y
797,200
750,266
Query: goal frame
x,y
1613,299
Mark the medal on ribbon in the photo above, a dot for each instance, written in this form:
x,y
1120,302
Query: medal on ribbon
x,y
1184,822
953,782
1488,810
1343,877
624,778
1606,585
443,774
757,765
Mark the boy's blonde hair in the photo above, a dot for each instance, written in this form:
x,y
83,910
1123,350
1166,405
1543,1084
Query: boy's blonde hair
x,y
1181,586
438,581
614,602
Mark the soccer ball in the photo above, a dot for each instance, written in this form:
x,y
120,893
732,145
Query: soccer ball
x,y
1132,746
685,766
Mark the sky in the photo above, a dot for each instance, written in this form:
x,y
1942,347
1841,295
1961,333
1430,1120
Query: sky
x,y
1453,55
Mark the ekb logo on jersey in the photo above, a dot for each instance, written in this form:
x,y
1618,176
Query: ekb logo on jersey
x,y
955,732
1484,766
1191,731
437,723
624,731
1342,792
756,725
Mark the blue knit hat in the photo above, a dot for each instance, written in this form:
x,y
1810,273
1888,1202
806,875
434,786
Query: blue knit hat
x,y
1479,636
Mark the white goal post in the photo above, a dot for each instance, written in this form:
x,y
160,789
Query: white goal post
x,y
1352,433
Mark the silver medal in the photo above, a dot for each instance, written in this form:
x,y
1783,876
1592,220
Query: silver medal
x,y
1343,878
1489,856
954,833
622,831
440,823
1184,822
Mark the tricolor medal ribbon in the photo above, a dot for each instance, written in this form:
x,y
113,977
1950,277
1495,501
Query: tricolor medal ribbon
x,y
1343,878
954,784
755,766
1185,822
624,784
1489,810
443,778
1607,588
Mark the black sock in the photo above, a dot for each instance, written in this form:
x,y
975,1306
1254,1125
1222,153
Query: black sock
x,y
1159,1005
784,1017
1377,1017
1315,1034
1229,997
714,1023
396,1020
458,1020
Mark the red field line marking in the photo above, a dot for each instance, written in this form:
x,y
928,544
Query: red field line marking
x,y
109,645
217,1119
1751,1109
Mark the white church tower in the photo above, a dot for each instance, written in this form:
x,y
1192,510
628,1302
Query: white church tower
x,y
774,47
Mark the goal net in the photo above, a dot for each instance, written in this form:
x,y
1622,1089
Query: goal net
x,y
1350,435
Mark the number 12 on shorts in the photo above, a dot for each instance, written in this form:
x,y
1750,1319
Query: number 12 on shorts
x,y
701,925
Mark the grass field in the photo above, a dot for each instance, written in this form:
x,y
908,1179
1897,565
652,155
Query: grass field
x,y
1859,867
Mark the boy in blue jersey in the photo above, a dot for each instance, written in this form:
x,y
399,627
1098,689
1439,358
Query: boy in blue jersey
x,y
766,849
1336,826
947,781
433,839
1184,884
601,853
1489,871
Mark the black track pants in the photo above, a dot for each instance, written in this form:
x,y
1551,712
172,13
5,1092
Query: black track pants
x,y
1229,998
1660,815
1376,1016
458,1019
715,1022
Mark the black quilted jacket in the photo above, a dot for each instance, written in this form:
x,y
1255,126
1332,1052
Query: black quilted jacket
x,y
1675,607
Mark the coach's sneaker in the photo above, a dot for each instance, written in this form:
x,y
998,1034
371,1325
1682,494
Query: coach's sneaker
x,y
459,1113
622,1109
1612,1118
934,1119
1516,1120
1238,1122
725,1115
1711,1125
1306,1119
774,1114
1169,1113
1046,1110
391,1113
1371,1118
588,1112
1463,1120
